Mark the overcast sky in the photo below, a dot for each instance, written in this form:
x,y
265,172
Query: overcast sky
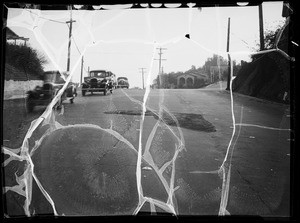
x,y
123,41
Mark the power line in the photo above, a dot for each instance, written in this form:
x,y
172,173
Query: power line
x,y
52,20
78,50
75,41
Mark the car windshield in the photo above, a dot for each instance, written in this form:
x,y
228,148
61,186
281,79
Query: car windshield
x,y
49,77
101,74
201,126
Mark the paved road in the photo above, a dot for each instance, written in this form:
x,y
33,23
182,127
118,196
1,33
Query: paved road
x,y
91,170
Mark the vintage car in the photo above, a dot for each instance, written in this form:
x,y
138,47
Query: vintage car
x,y
99,81
122,82
43,95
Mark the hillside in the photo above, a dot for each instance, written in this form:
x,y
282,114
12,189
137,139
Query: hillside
x,y
23,63
266,77
12,73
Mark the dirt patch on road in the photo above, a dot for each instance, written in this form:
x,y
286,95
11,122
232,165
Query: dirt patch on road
x,y
185,120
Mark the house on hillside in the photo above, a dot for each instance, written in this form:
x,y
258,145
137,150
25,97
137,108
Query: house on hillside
x,y
16,80
12,36
192,79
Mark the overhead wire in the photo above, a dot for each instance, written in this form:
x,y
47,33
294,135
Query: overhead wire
x,y
52,20
72,36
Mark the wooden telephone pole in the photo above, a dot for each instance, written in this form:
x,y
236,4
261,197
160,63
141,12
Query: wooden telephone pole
x,y
159,65
261,27
70,36
143,76
81,70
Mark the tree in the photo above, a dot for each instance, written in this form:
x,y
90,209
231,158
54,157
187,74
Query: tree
x,y
193,67
270,37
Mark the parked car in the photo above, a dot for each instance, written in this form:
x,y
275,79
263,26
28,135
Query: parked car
x,y
123,82
43,95
99,81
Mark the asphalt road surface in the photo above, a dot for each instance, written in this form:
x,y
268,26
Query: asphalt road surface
x,y
89,167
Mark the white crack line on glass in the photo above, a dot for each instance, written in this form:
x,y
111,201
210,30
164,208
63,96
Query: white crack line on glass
x,y
261,126
243,52
225,190
226,180
139,159
152,207
89,26
179,147
45,44
147,156
181,138
25,181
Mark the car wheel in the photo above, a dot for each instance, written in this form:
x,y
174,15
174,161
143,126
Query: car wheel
x,y
74,92
29,104
58,104
83,93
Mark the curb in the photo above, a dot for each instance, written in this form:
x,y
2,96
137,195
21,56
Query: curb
x,y
14,97
255,98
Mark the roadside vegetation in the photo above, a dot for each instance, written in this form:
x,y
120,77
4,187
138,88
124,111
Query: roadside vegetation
x,y
25,59
267,76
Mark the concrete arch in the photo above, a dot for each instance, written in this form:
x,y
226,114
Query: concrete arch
x,y
181,82
185,81
189,82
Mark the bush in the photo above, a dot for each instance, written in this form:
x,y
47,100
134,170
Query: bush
x,y
25,58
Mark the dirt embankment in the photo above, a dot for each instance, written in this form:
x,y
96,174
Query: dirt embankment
x,y
266,77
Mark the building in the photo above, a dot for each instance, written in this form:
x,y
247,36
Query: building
x,y
12,36
192,79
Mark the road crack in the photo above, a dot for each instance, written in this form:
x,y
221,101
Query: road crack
x,y
254,190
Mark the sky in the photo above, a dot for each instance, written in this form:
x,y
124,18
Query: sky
x,y
123,41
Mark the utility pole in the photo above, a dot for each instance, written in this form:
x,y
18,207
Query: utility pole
x,y
229,59
143,76
261,27
70,35
159,64
81,70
